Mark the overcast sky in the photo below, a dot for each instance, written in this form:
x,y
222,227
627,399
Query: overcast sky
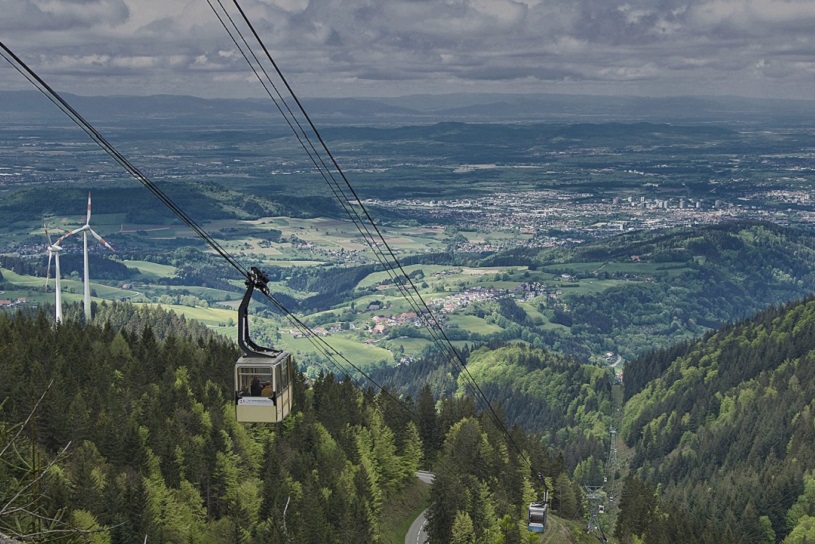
x,y
761,48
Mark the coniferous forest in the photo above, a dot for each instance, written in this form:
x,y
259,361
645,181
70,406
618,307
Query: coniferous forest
x,y
109,435
723,439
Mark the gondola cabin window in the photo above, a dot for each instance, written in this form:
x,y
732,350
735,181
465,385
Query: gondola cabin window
x,y
262,392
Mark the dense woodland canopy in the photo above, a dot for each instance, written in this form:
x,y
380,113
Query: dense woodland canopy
x,y
132,435
727,435
567,400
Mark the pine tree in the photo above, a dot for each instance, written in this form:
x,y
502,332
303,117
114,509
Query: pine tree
x,y
462,531
428,425
412,454
564,497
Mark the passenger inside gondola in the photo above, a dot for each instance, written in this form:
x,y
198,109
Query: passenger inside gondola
x,y
256,388
251,380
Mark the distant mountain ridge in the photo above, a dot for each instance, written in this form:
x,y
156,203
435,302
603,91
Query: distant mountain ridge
x,y
473,107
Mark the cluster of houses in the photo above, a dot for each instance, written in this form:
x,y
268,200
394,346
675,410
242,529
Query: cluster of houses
x,y
7,303
323,331
340,255
463,299
380,323
523,291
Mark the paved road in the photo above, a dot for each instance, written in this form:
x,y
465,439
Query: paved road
x,y
416,533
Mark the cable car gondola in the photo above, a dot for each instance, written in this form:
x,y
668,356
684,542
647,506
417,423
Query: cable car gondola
x,y
263,376
537,517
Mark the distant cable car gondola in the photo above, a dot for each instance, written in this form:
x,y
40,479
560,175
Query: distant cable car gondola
x,y
537,517
263,376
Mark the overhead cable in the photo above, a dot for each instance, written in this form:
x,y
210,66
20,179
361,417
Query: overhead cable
x,y
391,264
54,97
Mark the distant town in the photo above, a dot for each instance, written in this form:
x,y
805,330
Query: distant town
x,y
549,218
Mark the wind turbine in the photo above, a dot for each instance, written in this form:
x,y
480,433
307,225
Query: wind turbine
x,y
53,251
85,229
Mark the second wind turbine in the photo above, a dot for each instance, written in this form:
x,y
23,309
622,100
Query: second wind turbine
x,y
53,251
85,229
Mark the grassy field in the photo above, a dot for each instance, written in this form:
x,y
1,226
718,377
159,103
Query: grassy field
x,y
474,324
332,233
378,277
212,317
410,345
305,242
70,287
359,353
152,270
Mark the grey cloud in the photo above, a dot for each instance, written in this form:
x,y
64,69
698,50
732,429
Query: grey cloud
x,y
510,73
535,43
67,15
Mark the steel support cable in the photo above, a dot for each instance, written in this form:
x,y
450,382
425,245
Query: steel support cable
x,y
302,137
55,98
390,265
333,184
97,137
452,349
457,356
290,119
373,243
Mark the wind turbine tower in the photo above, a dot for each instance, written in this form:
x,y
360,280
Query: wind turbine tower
x,y
53,251
85,229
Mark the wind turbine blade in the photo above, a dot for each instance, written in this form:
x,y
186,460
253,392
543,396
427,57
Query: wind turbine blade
x,y
64,236
107,245
88,220
48,236
48,270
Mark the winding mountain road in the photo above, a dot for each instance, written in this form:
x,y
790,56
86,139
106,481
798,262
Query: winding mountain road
x,y
416,534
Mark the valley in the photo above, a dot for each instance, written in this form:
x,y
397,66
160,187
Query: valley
x,y
495,237
568,263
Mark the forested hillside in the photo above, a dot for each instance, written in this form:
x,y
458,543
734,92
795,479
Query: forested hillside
x,y
130,436
727,433
697,279
632,293
566,400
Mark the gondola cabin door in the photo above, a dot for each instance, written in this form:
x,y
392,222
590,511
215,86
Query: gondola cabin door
x,y
263,387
